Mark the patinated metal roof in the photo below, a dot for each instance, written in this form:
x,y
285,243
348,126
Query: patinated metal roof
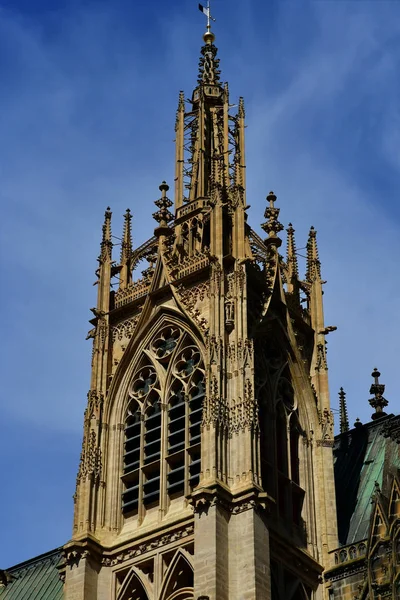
x,y
363,458
35,579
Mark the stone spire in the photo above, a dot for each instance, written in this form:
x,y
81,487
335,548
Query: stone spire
x,y
106,243
179,150
313,263
319,365
291,260
104,270
239,173
126,251
202,134
378,402
272,226
163,216
344,419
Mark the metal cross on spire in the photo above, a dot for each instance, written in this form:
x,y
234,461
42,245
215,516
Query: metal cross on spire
x,y
206,11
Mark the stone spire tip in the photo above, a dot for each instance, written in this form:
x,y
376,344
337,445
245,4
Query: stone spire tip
x,y
344,419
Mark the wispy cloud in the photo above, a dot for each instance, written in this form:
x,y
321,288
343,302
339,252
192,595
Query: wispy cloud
x,y
87,113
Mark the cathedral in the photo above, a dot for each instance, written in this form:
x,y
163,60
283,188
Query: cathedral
x,y
209,467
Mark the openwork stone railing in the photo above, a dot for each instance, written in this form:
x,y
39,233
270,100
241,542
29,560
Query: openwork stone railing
x,y
132,292
190,207
190,265
350,552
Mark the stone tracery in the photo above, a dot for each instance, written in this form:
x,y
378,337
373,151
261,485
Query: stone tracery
x,y
164,413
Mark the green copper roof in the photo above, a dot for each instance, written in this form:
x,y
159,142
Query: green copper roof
x,y
363,456
35,579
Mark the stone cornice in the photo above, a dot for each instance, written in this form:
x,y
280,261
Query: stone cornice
x,y
218,494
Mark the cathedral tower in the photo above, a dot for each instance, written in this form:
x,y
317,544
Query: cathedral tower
x,y
206,468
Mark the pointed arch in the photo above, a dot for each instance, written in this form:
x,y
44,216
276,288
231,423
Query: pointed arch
x,y
286,407
156,395
135,586
394,502
379,525
162,317
178,579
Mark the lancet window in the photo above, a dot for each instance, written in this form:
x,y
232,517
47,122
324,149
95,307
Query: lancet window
x,y
280,432
162,432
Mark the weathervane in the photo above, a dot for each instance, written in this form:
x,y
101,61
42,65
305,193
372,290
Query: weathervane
x,y
206,11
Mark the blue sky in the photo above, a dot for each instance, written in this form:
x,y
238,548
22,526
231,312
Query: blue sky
x,y
87,109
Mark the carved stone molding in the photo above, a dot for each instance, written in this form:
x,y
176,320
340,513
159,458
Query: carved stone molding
x,y
74,552
215,411
73,557
244,413
90,459
125,329
326,422
325,443
139,549
94,405
322,363
190,298
215,350
206,499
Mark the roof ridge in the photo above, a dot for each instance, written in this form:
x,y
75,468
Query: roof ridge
x,y
36,559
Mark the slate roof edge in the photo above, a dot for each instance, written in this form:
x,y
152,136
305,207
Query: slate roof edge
x,y
369,425
34,560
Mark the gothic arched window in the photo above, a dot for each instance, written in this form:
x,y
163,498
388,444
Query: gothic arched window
x,y
162,432
280,433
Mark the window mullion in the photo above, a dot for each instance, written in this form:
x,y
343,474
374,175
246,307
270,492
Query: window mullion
x,y
163,459
187,444
141,511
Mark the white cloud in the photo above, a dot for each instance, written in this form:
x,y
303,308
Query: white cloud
x,y
88,121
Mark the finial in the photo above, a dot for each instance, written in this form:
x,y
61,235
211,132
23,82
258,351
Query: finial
x,y
357,423
208,37
106,243
208,65
378,402
181,109
293,267
226,92
272,226
313,263
344,420
163,216
126,245
241,111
